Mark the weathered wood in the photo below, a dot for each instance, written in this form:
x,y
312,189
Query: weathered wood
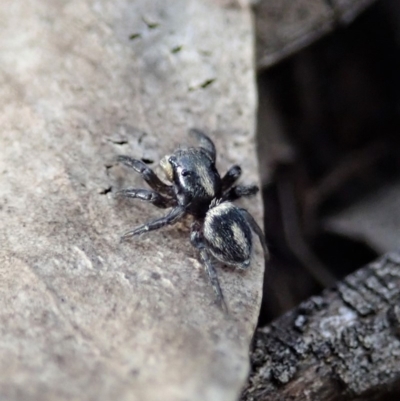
x,y
83,316
284,27
344,344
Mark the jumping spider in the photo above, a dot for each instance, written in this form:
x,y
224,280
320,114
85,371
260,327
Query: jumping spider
x,y
220,229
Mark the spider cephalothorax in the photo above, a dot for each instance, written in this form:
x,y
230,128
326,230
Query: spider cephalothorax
x,y
220,229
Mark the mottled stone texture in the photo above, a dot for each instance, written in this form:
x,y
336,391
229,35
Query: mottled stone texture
x,y
83,316
344,344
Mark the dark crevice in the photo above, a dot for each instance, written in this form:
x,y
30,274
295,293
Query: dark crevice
x,y
380,280
118,142
203,85
285,339
140,139
176,49
354,300
376,291
147,160
150,25
106,191
207,83
135,36
108,168
337,102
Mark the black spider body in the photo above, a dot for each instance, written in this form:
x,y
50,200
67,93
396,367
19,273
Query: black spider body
x,y
195,179
220,229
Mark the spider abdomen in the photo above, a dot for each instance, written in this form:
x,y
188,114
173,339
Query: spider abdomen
x,y
228,235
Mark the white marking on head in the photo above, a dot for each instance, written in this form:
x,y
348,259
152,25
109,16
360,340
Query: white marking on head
x,y
167,168
205,179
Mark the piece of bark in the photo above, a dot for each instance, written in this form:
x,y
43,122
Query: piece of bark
x,y
82,315
286,26
344,344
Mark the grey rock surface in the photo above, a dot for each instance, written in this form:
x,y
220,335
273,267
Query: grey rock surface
x,y
83,316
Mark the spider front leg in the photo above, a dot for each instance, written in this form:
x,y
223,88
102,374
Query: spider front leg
x,y
147,174
231,176
171,218
204,141
238,191
146,195
197,240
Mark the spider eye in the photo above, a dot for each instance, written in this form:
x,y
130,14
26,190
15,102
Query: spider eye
x,y
172,161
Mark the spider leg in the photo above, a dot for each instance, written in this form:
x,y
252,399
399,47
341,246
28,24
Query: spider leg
x,y
230,177
238,191
257,229
197,240
171,218
205,142
148,196
147,174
